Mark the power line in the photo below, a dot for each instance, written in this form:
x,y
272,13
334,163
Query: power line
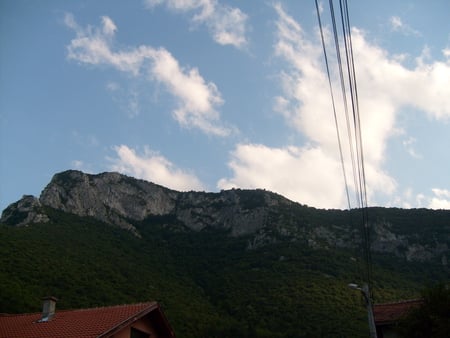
x,y
344,97
346,28
334,107
353,124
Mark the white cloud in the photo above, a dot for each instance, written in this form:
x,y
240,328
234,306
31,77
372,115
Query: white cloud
x,y
151,166
109,27
397,25
94,46
306,95
446,52
438,203
384,86
409,146
306,175
77,164
112,86
396,22
226,24
80,165
440,200
197,99
441,193
436,199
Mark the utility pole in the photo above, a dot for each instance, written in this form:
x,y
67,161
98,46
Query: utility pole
x,y
367,300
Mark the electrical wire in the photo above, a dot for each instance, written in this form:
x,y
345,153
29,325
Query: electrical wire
x,y
344,97
362,188
341,156
353,124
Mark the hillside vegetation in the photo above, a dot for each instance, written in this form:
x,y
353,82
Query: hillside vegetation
x,y
208,283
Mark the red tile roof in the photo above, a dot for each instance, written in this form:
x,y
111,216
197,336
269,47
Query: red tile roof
x,y
84,323
391,312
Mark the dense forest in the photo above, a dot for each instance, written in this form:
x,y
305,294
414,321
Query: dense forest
x,y
210,284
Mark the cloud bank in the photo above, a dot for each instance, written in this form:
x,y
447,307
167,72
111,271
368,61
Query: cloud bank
x,y
440,199
312,174
300,174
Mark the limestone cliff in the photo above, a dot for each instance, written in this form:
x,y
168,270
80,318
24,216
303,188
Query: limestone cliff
x,y
110,197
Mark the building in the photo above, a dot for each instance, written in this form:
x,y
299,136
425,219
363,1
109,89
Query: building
x,y
387,316
121,321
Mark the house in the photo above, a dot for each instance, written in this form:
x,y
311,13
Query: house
x,y
121,321
387,316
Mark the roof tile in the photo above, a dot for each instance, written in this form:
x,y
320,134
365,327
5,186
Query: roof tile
x,y
84,323
390,312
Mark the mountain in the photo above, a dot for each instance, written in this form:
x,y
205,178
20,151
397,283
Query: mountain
x,y
234,263
268,217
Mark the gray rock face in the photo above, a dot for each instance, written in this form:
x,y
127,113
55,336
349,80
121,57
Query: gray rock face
x,y
109,197
228,210
25,211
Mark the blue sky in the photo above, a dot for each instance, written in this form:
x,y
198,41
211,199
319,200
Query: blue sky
x,y
213,94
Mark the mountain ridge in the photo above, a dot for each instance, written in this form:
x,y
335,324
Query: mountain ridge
x,y
123,201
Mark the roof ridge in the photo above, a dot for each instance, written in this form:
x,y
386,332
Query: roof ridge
x,y
18,314
80,310
401,302
111,306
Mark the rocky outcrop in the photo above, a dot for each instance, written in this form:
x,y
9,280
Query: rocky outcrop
x,y
25,211
110,197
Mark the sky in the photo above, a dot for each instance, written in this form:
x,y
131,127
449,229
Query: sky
x,y
208,95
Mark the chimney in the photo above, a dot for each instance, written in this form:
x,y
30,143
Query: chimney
x,y
48,308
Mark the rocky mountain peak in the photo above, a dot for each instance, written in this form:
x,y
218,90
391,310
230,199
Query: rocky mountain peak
x,y
110,197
